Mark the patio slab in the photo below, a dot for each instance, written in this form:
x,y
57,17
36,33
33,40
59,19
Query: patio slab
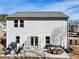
x,y
63,55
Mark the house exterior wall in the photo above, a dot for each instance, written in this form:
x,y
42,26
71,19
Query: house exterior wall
x,y
78,27
74,27
40,28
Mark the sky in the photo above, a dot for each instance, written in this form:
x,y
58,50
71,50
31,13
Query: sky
x,y
69,7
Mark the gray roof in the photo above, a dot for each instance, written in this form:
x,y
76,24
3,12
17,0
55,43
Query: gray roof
x,y
38,14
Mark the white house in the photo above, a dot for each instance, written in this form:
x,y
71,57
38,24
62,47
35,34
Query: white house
x,y
36,29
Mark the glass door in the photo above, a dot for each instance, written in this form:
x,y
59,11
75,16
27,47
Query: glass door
x,y
34,41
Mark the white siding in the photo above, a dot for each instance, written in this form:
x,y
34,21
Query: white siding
x,y
78,28
34,28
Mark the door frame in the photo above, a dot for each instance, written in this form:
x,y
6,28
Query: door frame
x,y
34,41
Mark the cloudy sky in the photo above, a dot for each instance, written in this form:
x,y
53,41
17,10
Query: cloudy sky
x,y
70,7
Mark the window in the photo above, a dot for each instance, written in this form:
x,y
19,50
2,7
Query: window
x,y
18,39
21,23
70,42
15,23
47,39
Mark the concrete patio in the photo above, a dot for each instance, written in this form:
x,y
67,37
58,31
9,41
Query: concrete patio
x,y
37,54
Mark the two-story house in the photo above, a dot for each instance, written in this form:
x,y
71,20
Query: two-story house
x,y
36,29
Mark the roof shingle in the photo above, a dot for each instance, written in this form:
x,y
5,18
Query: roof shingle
x,y
38,14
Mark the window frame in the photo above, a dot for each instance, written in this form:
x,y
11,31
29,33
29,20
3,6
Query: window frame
x,y
34,40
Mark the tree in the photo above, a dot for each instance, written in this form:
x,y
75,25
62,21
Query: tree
x,y
3,17
58,35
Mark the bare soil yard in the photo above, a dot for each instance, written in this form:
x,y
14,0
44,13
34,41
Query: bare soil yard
x,y
75,52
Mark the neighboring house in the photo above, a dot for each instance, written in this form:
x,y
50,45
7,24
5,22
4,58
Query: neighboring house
x,y
73,40
2,28
74,26
1,32
36,29
74,32
2,24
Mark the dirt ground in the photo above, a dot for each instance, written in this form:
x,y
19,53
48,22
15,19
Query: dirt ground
x,y
74,56
1,48
75,53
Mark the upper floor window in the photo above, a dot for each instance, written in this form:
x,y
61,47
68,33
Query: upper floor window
x,y
15,23
21,23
